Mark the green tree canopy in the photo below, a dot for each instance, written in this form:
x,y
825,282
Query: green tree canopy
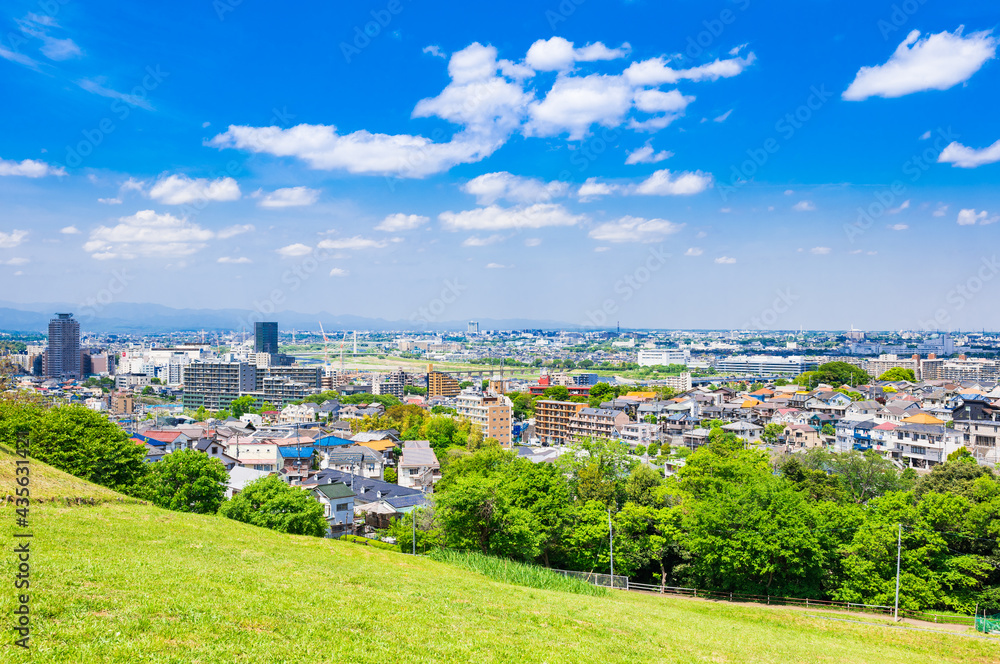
x,y
186,481
897,374
84,443
270,503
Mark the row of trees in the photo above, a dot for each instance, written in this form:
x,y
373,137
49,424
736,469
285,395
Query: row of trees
x,y
818,525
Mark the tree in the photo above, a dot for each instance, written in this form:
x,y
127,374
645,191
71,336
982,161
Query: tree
x,y
864,476
389,475
755,537
772,432
828,430
243,405
836,374
270,503
557,393
649,419
186,481
147,390
84,443
957,476
898,373
476,514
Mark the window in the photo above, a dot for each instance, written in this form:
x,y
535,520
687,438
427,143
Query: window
x,y
341,507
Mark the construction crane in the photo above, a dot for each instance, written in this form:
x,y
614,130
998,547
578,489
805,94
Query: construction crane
x,y
326,345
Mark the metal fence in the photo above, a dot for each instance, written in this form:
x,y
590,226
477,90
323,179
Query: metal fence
x,y
623,583
605,580
988,624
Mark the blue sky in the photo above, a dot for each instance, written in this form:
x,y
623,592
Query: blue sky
x,y
682,164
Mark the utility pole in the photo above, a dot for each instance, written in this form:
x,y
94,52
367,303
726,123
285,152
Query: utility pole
x,y
414,530
899,550
611,548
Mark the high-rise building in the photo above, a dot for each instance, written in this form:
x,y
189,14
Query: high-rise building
x,y
440,384
62,358
265,338
473,327
492,413
552,420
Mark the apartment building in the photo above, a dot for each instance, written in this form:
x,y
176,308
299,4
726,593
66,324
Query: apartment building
x,y
662,357
492,413
393,383
888,361
440,384
597,423
62,358
215,385
552,420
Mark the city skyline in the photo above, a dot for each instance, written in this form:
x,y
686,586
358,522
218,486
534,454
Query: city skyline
x,y
702,166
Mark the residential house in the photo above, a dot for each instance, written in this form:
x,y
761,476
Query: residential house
x,y
337,500
418,466
358,459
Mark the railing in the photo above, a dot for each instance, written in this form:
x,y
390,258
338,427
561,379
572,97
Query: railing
x,y
777,600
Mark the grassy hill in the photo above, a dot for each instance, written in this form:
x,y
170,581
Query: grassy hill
x,y
121,582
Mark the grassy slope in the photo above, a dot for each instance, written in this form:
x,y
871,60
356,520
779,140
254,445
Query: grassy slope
x,y
125,582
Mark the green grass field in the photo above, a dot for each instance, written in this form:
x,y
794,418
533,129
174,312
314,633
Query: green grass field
x,y
120,582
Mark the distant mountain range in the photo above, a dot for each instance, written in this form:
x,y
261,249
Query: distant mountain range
x,y
132,317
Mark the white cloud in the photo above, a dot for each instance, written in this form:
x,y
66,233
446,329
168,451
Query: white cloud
x,y
593,188
575,103
671,104
339,272
646,155
497,266
147,234
232,260
694,251
970,217
233,231
180,189
902,206
69,230
723,117
352,243
899,227
491,187
598,250
656,72
940,211
110,201
96,86
12,239
294,250
558,54
820,251
396,223
287,197
936,62
924,136
359,152
435,51
17,260
958,155
29,168
476,241
532,241
38,26
635,229
665,183
725,260
495,218
804,206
